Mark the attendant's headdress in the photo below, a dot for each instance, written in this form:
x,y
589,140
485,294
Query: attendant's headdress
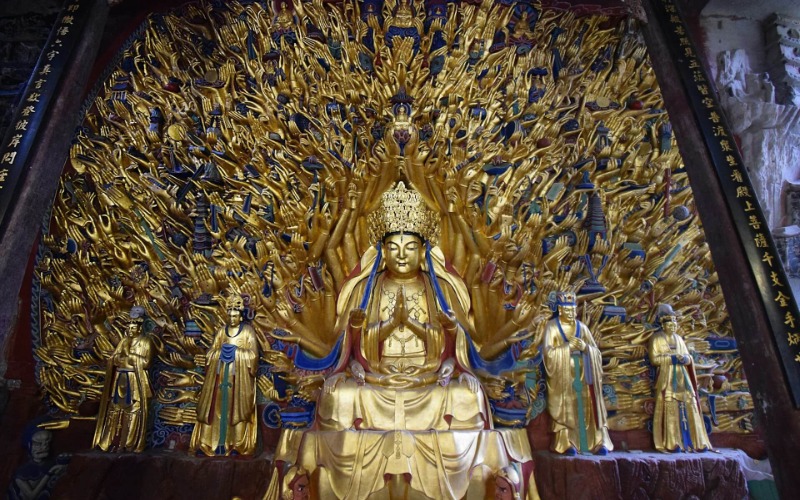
x,y
664,311
137,314
235,302
565,299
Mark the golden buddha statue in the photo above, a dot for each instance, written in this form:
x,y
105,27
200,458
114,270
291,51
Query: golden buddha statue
x,y
122,420
678,420
574,369
404,368
402,402
226,409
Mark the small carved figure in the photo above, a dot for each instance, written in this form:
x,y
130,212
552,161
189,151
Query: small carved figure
x,y
296,484
122,420
507,484
574,383
678,421
35,479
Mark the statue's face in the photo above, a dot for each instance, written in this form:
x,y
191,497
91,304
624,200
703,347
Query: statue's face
x,y
234,316
40,446
669,324
567,313
300,488
503,489
134,327
403,255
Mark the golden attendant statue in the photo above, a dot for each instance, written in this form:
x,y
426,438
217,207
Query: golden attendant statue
x,y
574,383
122,420
226,410
678,420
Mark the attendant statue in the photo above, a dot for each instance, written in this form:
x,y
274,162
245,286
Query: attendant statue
x,y
122,419
678,421
226,409
35,480
574,383
406,369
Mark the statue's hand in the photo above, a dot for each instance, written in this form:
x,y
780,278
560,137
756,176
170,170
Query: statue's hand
x,y
400,313
57,469
358,372
330,383
445,372
357,317
286,314
577,344
686,359
523,313
448,321
471,381
200,360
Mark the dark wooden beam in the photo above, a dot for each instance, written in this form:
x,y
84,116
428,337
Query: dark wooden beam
x,y
43,170
774,411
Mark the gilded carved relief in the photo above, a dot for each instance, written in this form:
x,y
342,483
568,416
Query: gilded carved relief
x,y
238,151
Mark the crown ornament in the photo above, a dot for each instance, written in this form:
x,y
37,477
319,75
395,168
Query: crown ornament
x,y
562,298
234,302
403,210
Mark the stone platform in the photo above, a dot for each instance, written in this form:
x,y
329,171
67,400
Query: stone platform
x,y
622,475
162,476
642,475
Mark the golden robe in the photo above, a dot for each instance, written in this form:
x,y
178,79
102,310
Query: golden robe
x,y
385,402
678,420
439,438
226,409
562,397
122,419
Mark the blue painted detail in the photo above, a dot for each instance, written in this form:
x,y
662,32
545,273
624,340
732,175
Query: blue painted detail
x,y
504,362
304,361
371,280
721,343
271,416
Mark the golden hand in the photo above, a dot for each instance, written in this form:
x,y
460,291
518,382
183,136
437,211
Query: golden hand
x,y
472,382
330,383
358,372
577,344
446,371
200,360
357,317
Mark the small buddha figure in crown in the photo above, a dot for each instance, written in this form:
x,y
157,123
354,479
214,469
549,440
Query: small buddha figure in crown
x,y
226,410
406,367
574,369
678,420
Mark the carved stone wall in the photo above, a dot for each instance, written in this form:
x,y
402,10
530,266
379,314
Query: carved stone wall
x,y
782,34
767,131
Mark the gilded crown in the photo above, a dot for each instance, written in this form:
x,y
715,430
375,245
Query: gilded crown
x,y
565,299
403,210
235,302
